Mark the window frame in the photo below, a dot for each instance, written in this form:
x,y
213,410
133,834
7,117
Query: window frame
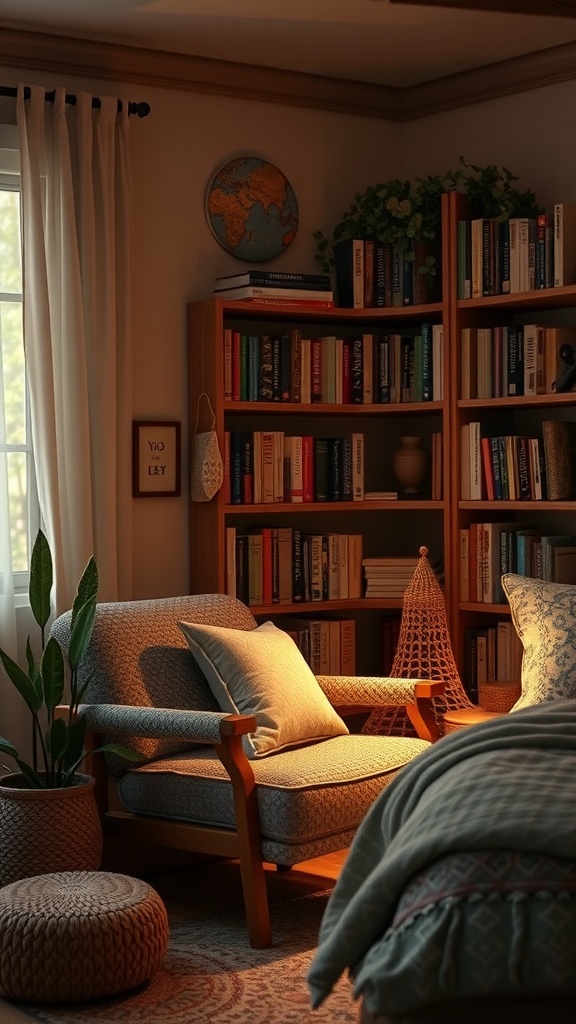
x,y
10,181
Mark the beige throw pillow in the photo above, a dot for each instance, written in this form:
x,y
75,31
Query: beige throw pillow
x,y
261,672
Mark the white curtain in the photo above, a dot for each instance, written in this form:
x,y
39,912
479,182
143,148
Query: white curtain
x,y
75,173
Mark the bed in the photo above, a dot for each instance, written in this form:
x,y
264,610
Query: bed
x,y
459,890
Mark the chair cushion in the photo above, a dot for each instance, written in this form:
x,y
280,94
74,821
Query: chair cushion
x,y
310,799
262,673
544,616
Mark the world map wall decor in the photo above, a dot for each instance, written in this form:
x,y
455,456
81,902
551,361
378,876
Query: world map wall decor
x,y
252,209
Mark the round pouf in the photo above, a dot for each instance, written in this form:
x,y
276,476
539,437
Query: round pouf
x,y
79,935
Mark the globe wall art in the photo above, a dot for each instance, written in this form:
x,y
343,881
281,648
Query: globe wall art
x,y
252,209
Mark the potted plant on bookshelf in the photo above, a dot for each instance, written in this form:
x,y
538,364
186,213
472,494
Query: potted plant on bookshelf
x,y
402,215
48,815
491,191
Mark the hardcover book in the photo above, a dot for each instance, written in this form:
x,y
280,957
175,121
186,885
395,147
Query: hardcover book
x,y
560,458
349,266
564,244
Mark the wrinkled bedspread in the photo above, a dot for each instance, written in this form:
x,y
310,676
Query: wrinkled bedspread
x,y
509,783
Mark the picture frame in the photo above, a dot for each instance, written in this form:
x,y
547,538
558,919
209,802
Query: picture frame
x,y
156,459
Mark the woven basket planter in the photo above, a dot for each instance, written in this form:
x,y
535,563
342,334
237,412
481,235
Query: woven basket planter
x,y
48,830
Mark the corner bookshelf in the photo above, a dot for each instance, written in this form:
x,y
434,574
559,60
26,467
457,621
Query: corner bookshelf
x,y
386,527
504,415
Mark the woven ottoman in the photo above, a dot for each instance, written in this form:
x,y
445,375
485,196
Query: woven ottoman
x,y
79,935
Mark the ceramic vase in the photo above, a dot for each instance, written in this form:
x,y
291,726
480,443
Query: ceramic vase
x,y
410,463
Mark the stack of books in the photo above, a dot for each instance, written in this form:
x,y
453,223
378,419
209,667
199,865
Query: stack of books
x,y
389,576
273,288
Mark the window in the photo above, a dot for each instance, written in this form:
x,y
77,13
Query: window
x,y
15,434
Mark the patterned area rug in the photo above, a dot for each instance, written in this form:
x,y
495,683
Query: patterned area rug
x,y
210,975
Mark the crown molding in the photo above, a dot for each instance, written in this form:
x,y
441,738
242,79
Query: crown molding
x,y
519,74
158,68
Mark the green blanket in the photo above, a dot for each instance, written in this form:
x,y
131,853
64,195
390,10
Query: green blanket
x,y
508,783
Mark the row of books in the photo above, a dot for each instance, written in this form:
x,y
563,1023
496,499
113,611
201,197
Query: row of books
x,y
517,255
327,644
360,369
268,466
488,550
270,287
388,575
283,565
491,654
372,274
511,467
517,359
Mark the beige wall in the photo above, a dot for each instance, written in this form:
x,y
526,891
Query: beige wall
x,y
327,157
530,133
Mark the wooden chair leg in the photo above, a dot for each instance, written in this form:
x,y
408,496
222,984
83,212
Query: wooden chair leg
x,y
248,826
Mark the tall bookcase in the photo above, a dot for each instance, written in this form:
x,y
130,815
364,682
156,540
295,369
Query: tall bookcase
x,y
387,527
520,416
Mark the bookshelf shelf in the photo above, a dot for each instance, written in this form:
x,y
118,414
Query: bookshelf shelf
x,y
322,507
324,409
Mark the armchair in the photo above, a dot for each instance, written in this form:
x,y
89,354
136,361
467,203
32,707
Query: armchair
x,y
250,786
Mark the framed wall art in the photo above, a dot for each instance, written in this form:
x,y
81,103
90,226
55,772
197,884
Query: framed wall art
x,y
156,457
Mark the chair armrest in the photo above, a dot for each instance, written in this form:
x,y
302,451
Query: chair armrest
x,y
350,694
165,723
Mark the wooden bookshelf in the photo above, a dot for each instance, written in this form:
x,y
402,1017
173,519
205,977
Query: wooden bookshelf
x,y
387,527
515,415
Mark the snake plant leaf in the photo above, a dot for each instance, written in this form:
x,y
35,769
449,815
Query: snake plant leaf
x,y
53,674
76,735
57,738
81,631
34,780
7,748
25,686
41,580
87,589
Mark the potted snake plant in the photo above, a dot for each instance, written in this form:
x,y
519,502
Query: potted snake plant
x,y
48,815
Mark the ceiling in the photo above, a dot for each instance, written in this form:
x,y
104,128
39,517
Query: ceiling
x,y
395,44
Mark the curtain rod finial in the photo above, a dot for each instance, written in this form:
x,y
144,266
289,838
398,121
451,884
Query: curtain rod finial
x,y
140,109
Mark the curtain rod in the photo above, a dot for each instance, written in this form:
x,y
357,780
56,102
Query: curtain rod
x,y
139,109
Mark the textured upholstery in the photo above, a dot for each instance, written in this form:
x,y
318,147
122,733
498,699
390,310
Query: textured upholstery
x,y
138,656
306,797
147,691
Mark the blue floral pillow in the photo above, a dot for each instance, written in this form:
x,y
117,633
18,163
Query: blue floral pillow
x,y
544,616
